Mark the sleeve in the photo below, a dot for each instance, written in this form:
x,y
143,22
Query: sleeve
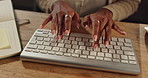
x,y
45,5
121,9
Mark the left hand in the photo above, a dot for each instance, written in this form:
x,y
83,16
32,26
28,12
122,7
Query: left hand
x,y
100,21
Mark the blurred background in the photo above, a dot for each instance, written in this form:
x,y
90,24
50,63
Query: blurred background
x,y
138,17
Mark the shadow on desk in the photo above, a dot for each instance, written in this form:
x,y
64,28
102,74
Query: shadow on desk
x,y
146,40
69,71
10,59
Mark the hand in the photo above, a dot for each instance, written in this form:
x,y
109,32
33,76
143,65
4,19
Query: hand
x,y
100,21
61,16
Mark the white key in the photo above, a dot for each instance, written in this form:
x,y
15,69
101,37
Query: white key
x,y
65,37
90,48
124,61
86,52
83,56
46,43
53,44
46,39
131,57
45,32
108,55
32,46
124,57
59,53
75,55
116,56
129,53
33,42
55,48
52,36
39,42
71,38
127,48
112,43
70,50
107,59
104,50
48,48
112,51
81,43
102,46
100,54
121,39
109,46
63,49
67,45
67,41
119,51
99,58
78,51
74,42
43,52
78,39
85,39
91,57
67,54
132,62
127,44
54,40
128,40
40,38
93,53
41,35
116,60
113,39
36,50
75,46
51,52
60,41
91,40
116,47
97,49
60,44
119,43
82,47
88,44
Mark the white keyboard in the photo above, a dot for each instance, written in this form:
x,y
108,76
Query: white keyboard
x,y
76,50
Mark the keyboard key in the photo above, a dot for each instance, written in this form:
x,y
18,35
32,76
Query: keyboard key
x,y
128,40
46,43
128,44
82,47
93,53
121,39
60,44
43,51
99,58
104,50
124,61
28,50
41,35
127,48
85,39
112,43
109,46
91,57
55,48
131,57
119,51
32,46
70,50
51,52
114,39
81,43
78,39
59,53
65,37
108,55
116,56
96,49
107,59
33,42
40,47
74,42
85,52
83,56
53,44
75,46
63,50
124,57
67,54
119,43
100,54
75,55
71,38
47,39
67,41
117,47
67,45
48,48
35,50
88,44
39,42
78,51
132,62
112,51
129,53
90,48
116,60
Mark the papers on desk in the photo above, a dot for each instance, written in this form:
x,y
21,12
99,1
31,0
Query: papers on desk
x,y
9,39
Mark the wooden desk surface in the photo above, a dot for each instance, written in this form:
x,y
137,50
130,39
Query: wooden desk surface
x,y
13,67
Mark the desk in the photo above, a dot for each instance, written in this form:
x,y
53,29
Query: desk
x,y
13,67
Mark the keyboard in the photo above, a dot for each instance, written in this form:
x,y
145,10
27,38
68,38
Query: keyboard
x,y
76,50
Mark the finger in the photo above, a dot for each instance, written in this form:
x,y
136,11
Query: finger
x,y
60,17
87,21
116,28
76,17
95,25
46,21
68,20
54,25
107,35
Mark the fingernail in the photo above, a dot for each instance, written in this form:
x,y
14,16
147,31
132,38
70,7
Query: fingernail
x,y
59,37
67,32
78,27
41,26
124,33
106,43
86,26
95,37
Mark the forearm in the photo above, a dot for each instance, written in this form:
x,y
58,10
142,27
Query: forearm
x,y
123,8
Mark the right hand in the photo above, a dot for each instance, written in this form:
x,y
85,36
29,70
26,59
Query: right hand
x,y
61,16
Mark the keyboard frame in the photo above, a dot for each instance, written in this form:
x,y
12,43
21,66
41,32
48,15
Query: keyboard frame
x,y
80,62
